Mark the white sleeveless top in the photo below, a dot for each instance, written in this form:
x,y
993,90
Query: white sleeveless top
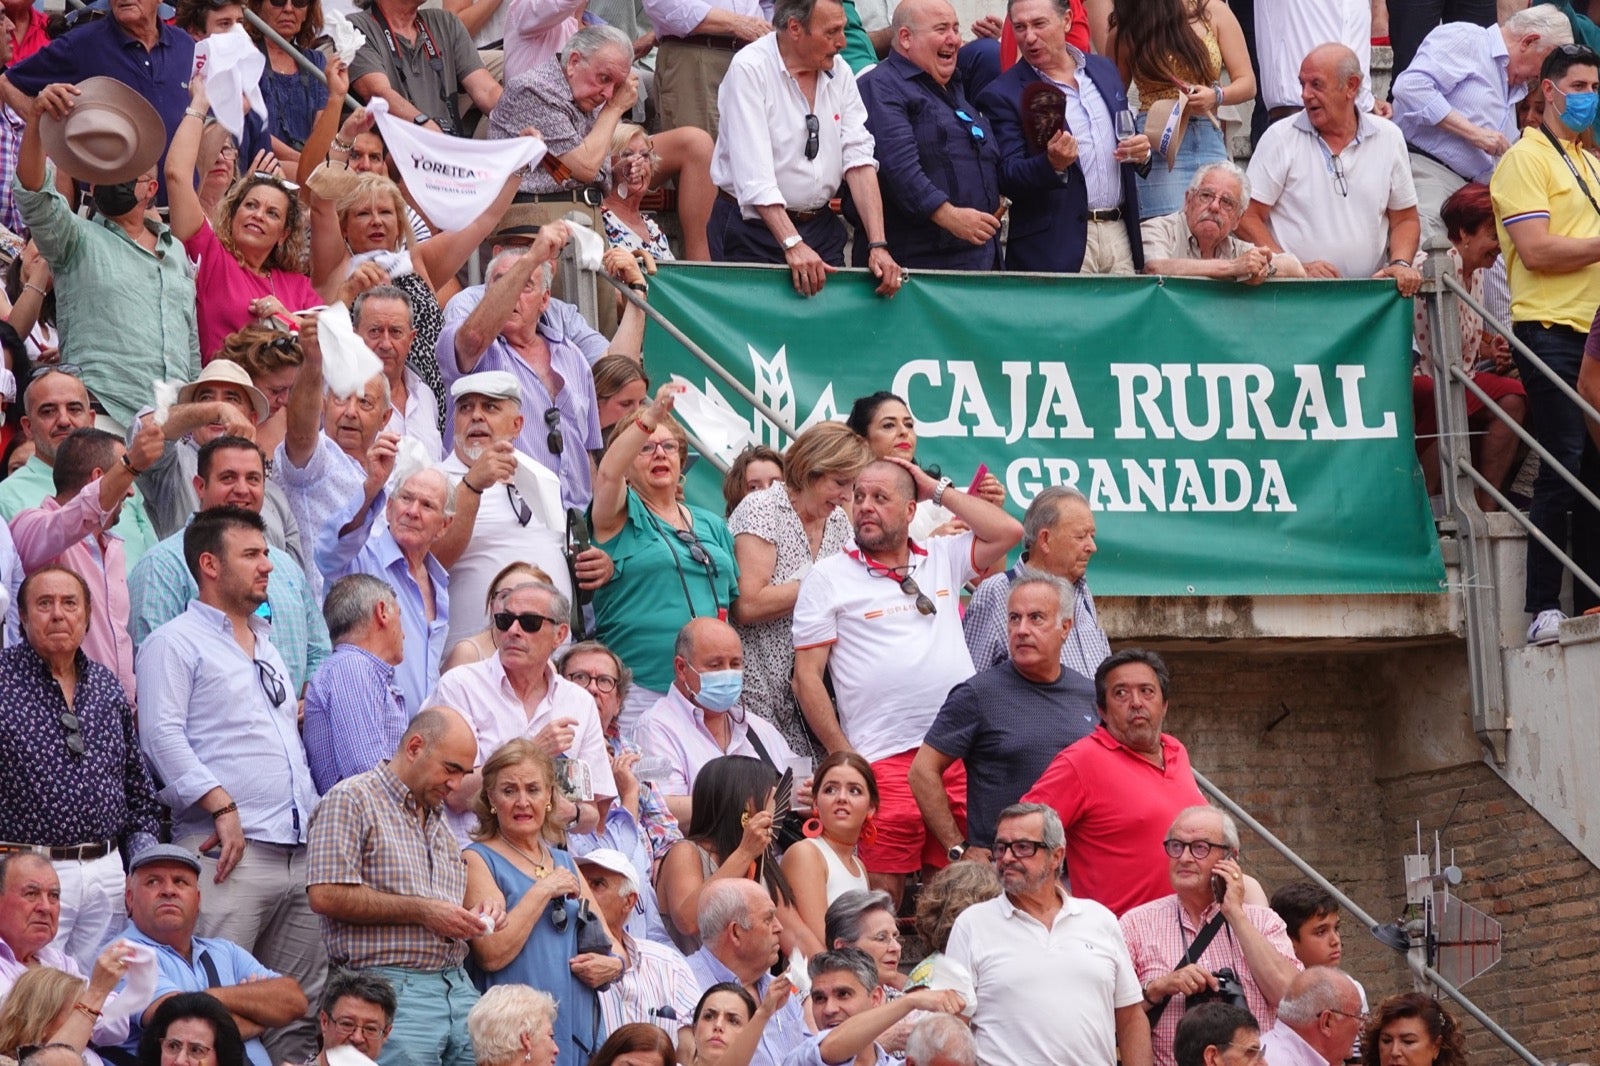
x,y
840,879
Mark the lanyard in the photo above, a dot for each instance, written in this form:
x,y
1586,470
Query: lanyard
x,y
877,569
1565,158
435,58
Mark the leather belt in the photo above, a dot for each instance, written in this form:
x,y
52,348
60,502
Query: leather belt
x,y
1275,113
1106,214
798,216
590,195
710,40
1414,150
81,852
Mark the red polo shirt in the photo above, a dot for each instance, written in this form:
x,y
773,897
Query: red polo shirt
x,y
31,39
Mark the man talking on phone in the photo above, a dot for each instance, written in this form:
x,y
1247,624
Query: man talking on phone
x,y
1204,942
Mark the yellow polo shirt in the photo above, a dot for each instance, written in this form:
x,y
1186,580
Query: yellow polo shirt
x,y
1533,182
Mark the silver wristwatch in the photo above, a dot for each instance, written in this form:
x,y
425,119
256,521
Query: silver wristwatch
x,y
938,490
792,241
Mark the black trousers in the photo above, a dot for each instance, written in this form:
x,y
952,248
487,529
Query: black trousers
x,y
735,239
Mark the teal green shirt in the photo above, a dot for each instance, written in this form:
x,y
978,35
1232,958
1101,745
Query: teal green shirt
x,y
658,587
33,481
858,50
126,315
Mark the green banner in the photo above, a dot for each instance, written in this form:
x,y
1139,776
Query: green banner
x,y
1231,440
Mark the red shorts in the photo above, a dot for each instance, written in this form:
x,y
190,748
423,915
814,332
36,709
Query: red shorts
x,y
903,844
1496,386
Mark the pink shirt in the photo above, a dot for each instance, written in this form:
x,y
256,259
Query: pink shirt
x,y
1117,807
226,289
537,30
74,536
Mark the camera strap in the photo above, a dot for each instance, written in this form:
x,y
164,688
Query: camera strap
x,y
1197,947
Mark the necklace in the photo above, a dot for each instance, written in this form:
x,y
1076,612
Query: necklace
x,y
540,869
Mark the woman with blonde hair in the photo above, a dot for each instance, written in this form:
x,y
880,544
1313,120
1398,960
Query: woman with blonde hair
x,y
46,1005
633,168
514,1025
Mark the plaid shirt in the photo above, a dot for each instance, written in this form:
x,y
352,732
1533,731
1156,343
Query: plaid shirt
x,y
366,831
984,625
11,127
1159,932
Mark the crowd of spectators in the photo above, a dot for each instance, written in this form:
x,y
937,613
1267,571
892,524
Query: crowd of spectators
x,y
368,680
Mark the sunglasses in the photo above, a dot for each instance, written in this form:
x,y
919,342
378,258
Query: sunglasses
x,y
530,622
300,4
697,551
552,431
271,684
74,729
924,605
813,128
519,505
72,370
975,130
275,179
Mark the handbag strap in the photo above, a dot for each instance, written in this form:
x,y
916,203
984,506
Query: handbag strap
x,y
1191,955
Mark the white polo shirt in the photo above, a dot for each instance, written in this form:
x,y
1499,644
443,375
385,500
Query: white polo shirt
x,y
1314,216
892,666
1044,995
675,730
1287,31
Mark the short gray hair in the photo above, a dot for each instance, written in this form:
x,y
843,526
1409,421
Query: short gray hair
x,y
1544,19
723,902
941,1036
348,606
1053,834
381,292
1045,511
843,919
546,271
1066,595
449,486
597,38
500,1018
1228,167
1230,828
1318,989
560,606
845,960
784,10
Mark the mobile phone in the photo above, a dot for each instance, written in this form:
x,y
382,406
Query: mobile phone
x,y
1219,887
977,479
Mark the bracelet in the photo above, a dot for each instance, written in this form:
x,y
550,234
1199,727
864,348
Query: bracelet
x,y
342,146
640,422
231,808
1216,87
135,471
41,291
475,490
90,1011
638,286
874,245
190,112
1398,262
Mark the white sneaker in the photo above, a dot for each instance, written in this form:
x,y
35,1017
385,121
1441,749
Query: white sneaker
x,y
1546,628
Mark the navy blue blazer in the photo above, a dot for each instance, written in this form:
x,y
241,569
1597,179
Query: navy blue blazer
x,y
1049,217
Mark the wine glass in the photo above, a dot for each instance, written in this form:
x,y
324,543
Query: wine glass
x,y
1125,125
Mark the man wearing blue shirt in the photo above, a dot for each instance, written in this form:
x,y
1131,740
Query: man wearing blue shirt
x,y
163,898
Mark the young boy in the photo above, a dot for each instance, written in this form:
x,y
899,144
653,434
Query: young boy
x,y
1312,915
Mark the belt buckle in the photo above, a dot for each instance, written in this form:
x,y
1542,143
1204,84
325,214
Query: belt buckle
x,y
591,195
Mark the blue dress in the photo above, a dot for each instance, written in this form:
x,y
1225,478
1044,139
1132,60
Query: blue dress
x,y
293,100
543,961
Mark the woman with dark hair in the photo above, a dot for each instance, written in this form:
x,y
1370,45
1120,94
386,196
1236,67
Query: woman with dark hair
x,y
201,18
295,97
1412,1029
885,422
1179,49
642,1043
191,1028
621,388
824,867
728,1022
730,830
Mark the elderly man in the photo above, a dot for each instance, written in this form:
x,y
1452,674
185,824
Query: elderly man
x,y
739,932
941,1040
656,987
85,788
1052,979
125,299
1118,789
1217,1034
1182,958
881,618
418,59
1198,242
354,711
231,471
163,897
508,505
795,131
54,403
1551,242
508,332
382,317
1333,185
1075,203
1008,722
357,1010
695,721
387,878
236,774
1319,1019
94,479
517,692
845,989
401,553
1456,103
1058,531
940,172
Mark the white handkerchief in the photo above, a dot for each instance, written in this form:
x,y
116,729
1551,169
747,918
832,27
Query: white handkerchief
x,y
799,974
138,985
232,66
395,264
347,40
345,1055
541,491
410,457
166,394
588,245
347,363
717,426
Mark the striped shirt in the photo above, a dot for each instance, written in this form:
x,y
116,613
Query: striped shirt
x,y
1086,646
354,715
657,977
366,831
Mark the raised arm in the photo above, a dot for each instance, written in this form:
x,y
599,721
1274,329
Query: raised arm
x,y
994,532
185,214
441,255
304,413
610,507
473,337
325,127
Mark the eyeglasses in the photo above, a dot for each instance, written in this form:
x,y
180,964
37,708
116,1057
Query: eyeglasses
x,y
975,130
1198,848
601,682
1340,182
348,1027
519,505
665,447
179,1048
72,370
813,129
1022,849
1252,1053
1577,51
1207,196
1362,1017
271,685
530,622
74,729
552,431
301,4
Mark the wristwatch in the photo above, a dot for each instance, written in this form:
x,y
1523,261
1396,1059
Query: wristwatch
x,y
793,240
956,851
422,120
938,491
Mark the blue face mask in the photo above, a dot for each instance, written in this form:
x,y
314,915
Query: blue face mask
x,y
720,689
1579,113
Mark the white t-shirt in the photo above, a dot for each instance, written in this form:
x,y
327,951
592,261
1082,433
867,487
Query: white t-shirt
x,y
1313,215
892,666
1044,995
1287,31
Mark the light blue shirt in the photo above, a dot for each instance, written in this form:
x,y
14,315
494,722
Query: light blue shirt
x,y
1460,67
178,974
355,715
1091,125
787,1029
810,1053
206,718
418,672
323,495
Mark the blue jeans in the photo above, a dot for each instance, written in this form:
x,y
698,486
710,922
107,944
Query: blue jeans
x,y
1555,422
430,1018
1162,192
